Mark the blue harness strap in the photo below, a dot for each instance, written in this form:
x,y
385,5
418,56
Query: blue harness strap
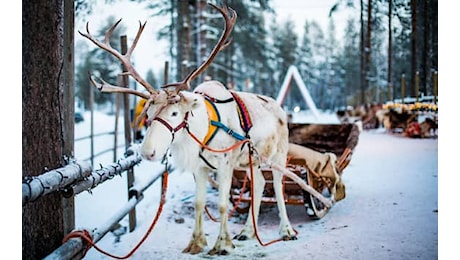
x,y
228,130
215,123
214,118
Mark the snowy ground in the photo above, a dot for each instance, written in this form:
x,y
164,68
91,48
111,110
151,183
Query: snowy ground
x,y
390,210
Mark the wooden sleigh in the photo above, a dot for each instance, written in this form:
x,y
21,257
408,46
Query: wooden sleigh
x,y
340,139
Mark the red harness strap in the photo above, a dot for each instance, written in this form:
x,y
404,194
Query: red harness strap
x,y
243,113
170,128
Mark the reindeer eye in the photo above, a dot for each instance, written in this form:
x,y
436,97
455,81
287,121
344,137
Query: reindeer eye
x,y
174,114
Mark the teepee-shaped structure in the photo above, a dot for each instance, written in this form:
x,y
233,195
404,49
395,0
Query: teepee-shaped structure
x,y
293,73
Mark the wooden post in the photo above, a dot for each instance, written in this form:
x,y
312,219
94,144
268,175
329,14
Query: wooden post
x,y
389,92
128,139
435,87
91,123
165,78
417,82
403,87
117,114
68,204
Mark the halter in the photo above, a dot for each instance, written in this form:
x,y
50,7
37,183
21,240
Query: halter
x,y
172,130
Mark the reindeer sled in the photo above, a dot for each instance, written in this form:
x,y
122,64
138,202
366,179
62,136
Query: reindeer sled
x,y
318,154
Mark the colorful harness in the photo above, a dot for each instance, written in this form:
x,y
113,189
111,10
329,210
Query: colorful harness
x,y
215,124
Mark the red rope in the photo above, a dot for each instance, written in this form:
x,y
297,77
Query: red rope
x,y
252,211
217,150
234,146
86,236
240,197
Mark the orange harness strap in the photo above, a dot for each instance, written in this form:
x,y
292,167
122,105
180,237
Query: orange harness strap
x,y
213,115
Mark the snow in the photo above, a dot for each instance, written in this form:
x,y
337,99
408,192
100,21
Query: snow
x,y
390,210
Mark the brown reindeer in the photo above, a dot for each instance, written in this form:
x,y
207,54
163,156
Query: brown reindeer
x,y
191,126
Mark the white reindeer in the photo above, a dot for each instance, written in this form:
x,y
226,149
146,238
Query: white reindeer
x,y
180,122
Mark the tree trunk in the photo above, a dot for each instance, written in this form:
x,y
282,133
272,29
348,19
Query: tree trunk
x,y
414,36
367,63
424,67
201,44
434,35
361,45
390,41
43,129
183,39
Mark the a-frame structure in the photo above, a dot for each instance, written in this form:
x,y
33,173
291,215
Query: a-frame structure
x,y
293,73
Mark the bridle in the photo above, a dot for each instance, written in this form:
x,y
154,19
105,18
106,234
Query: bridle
x,y
183,124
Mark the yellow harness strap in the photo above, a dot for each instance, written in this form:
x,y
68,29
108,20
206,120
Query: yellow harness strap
x,y
213,115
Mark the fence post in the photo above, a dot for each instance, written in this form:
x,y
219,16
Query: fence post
x,y
165,77
68,204
127,120
389,93
91,134
117,114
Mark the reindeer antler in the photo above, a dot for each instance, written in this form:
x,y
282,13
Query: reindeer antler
x,y
221,44
124,59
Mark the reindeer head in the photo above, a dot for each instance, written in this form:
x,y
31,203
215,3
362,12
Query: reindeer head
x,y
167,109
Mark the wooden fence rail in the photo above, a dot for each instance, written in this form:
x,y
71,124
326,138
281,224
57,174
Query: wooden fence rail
x,y
54,180
74,178
96,135
105,173
78,176
103,152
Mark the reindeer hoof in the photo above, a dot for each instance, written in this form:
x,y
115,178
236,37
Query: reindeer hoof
x,y
194,248
218,252
287,238
241,237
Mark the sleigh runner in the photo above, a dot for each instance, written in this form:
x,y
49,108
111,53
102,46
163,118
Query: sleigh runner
x,y
336,141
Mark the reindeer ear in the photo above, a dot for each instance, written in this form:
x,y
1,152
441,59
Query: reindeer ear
x,y
191,102
196,103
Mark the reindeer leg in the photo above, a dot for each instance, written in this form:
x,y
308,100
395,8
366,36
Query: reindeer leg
x,y
286,231
259,183
198,240
223,245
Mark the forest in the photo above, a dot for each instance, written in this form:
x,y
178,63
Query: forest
x,y
388,52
